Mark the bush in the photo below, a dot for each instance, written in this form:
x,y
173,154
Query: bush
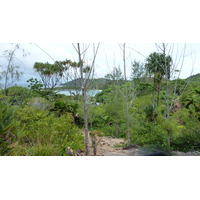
x,y
42,129
7,137
39,102
189,140
148,134
37,150
17,95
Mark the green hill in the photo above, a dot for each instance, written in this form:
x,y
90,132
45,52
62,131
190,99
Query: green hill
x,y
100,83
193,78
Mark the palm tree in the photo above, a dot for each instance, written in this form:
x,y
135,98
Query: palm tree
x,y
159,65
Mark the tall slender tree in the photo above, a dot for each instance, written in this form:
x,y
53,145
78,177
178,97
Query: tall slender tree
x,y
170,69
10,73
81,50
159,65
126,95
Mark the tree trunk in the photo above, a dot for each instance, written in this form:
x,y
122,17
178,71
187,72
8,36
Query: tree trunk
x,y
85,122
169,138
117,129
84,99
126,96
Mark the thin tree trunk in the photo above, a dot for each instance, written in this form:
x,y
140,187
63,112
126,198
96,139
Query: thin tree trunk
x,y
126,96
84,87
117,129
158,97
7,72
84,99
85,122
154,91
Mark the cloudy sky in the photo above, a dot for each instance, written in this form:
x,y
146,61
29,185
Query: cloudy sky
x,y
109,55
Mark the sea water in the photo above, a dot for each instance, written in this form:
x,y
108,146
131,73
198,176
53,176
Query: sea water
x,y
91,93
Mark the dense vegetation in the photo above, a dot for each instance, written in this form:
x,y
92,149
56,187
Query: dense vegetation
x,y
162,113
34,124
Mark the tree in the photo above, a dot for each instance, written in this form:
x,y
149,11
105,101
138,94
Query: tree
x,y
7,137
50,74
127,93
167,69
116,76
89,72
10,73
71,73
159,65
138,70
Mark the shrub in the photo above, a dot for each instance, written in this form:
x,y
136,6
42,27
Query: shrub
x,y
7,137
39,102
42,129
189,140
17,95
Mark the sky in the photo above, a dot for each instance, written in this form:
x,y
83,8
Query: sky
x,y
109,55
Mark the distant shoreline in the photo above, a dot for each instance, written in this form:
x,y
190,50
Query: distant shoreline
x,y
64,89
72,92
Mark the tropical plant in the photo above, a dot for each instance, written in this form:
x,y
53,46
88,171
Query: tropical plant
x,y
159,65
50,74
37,129
7,127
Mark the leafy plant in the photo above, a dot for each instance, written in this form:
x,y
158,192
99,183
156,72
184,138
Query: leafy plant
x,y
40,128
7,136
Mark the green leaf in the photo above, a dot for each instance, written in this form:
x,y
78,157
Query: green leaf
x,y
192,108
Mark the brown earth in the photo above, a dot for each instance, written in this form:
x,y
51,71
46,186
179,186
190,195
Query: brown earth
x,y
109,146
106,145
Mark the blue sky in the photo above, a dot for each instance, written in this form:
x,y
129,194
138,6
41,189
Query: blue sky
x,y
109,55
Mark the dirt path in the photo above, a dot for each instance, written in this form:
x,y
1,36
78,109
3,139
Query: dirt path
x,y
109,146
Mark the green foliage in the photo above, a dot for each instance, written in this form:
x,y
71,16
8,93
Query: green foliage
x,y
37,150
138,70
40,128
50,74
116,76
150,112
104,96
40,103
178,86
96,116
191,100
7,137
159,65
148,134
63,106
16,95
99,84
143,88
35,85
189,139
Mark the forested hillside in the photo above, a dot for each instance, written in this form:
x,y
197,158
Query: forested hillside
x,y
151,110
98,84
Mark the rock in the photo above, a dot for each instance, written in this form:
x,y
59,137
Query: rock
x,y
131,146
190,153
69,151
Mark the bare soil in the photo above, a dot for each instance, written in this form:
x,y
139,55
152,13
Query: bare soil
x,y
109,146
